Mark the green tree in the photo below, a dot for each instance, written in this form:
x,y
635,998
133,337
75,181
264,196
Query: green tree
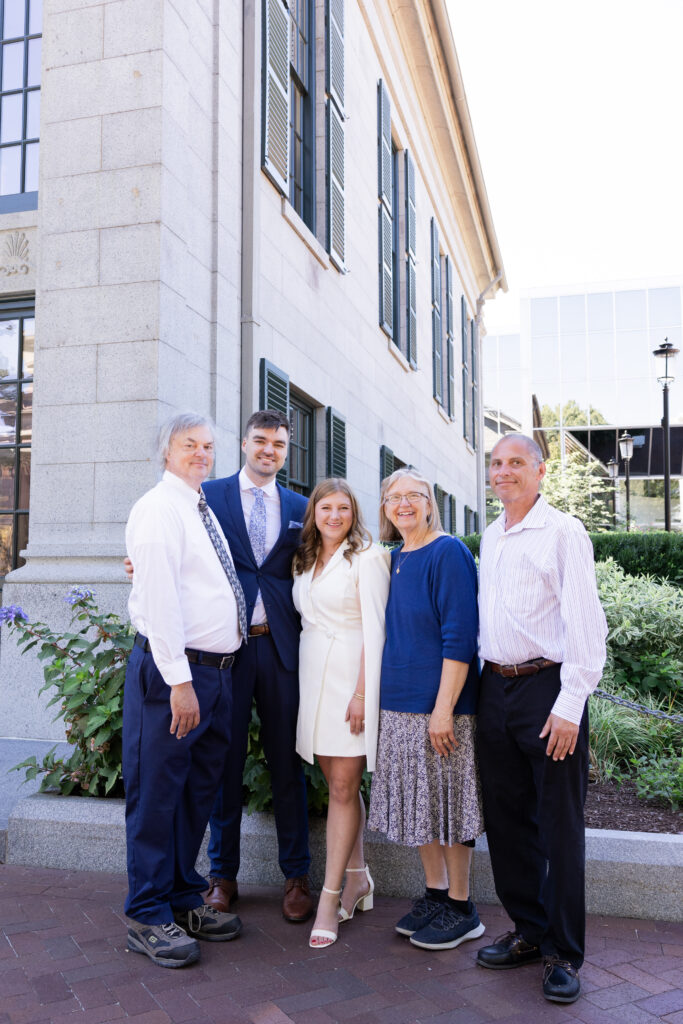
x,y
572,415
579,488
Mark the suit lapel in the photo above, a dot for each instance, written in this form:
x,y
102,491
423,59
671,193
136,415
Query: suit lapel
x,y
236,512
285,511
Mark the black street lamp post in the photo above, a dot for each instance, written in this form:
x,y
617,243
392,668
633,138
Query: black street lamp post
x,y
667,352
626,450
613,470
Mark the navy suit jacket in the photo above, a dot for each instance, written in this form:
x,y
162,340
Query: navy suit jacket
x,y
274,577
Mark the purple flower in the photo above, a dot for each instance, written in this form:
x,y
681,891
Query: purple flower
x,y
77,594
12,612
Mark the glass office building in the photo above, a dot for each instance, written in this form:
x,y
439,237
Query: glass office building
x,y
581,371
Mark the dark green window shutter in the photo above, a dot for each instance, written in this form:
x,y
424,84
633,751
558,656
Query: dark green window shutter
x,y
274,394
466,376
386,463
336,198
474,331
411,248
468,518
437,342
386,222
275,93
440,496
452,514
335,52
475,524
449,403
336,444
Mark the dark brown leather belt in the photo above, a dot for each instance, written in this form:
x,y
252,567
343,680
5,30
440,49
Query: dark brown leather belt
x,y
196,657
525,668
261,630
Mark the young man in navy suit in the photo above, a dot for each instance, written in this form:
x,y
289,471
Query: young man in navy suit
x,y
263,523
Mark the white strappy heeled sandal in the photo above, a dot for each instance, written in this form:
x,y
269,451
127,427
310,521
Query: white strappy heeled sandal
x,y
324,933
364,902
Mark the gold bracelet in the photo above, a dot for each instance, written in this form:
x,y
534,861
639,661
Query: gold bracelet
x,y
361,696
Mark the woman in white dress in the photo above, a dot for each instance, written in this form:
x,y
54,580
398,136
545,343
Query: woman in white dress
x,y
341,583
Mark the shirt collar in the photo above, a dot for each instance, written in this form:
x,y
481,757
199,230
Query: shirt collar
x,y
247,485
535,518
180,487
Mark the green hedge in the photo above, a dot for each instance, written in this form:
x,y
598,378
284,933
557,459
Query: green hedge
x,y
639,554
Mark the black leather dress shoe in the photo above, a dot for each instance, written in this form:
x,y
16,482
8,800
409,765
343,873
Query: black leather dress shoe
x,y
508,951
560,980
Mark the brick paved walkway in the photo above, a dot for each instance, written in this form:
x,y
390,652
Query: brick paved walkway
x,y
63,959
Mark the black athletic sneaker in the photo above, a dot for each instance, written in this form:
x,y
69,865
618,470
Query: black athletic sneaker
x,y
424,909
448,928
165,944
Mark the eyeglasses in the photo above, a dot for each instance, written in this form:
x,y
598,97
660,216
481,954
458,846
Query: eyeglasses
x,y
412,497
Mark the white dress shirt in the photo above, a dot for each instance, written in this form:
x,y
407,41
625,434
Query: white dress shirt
x,y
538,598
181,596
273,525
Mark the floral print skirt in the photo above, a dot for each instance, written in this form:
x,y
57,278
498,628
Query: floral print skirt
x,y
418,796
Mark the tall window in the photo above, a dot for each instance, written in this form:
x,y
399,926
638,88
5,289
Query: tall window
x,y
301,447
301,176
20,62
16,402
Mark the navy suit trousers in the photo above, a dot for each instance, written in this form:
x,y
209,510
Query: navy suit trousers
x,y
170,786
533,811
258,672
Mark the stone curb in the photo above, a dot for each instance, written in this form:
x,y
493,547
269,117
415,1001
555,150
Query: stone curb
x,y
628,874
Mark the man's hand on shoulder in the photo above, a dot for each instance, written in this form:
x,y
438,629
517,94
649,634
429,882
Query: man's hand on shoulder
x,y
561,735
184,708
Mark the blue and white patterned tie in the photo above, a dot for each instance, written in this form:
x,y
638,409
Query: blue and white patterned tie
x,y
226,562
257,526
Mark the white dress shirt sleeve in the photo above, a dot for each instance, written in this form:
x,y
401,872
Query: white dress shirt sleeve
x,y
154,539
583,623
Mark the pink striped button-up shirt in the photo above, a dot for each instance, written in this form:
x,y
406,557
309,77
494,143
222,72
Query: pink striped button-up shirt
x,y
538,599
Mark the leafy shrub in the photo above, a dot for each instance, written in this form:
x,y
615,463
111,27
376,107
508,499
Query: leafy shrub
x,y
618,735
660,779
472,541
87,667
656,554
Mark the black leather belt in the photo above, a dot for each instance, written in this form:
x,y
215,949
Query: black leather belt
x,y
524,668
196,657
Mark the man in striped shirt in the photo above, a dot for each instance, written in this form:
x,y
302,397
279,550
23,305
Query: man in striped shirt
x,y
542,641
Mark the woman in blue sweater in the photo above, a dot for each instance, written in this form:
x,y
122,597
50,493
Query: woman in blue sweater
x,y
425,790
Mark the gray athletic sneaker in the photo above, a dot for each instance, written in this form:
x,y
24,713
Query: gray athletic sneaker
x,y
165,944
205,922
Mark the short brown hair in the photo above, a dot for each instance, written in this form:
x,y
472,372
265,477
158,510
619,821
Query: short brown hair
x,y
267,419
358,537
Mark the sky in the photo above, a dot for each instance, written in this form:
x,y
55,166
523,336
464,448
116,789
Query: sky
x,y
576,109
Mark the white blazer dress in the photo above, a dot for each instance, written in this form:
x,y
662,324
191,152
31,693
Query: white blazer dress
x,y
342,613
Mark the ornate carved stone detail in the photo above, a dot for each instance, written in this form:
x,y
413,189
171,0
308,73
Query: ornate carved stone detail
x,y
15,255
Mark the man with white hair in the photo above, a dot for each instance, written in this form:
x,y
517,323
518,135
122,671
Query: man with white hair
x,y
188,608
542,640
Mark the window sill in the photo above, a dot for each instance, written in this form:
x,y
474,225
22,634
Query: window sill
x,y
19,202
442,412
304,233
398,355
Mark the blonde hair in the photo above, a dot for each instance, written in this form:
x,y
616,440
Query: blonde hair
x,y
387,531
358,538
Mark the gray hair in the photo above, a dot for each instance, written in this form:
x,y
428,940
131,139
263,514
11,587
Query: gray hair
x,y
178,424
531,446
387,531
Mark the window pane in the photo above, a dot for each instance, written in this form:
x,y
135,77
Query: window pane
x,y
5,545
24,478
575,405
574,365
633,354
7,479
13,20
635,401
35,16
8,413
510,352
665,307
26,413
545,355
630,309
10,170
12,66
9,344
600,312
34,49
543,316
603,401
10,117
33,114
22,538
29,338
601,356
31,171
572,313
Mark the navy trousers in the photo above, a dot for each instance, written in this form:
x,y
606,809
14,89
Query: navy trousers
x,y
533,811
170,786
258,673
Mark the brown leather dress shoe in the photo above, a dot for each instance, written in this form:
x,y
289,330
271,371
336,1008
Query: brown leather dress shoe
x,y
297,903
221,894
